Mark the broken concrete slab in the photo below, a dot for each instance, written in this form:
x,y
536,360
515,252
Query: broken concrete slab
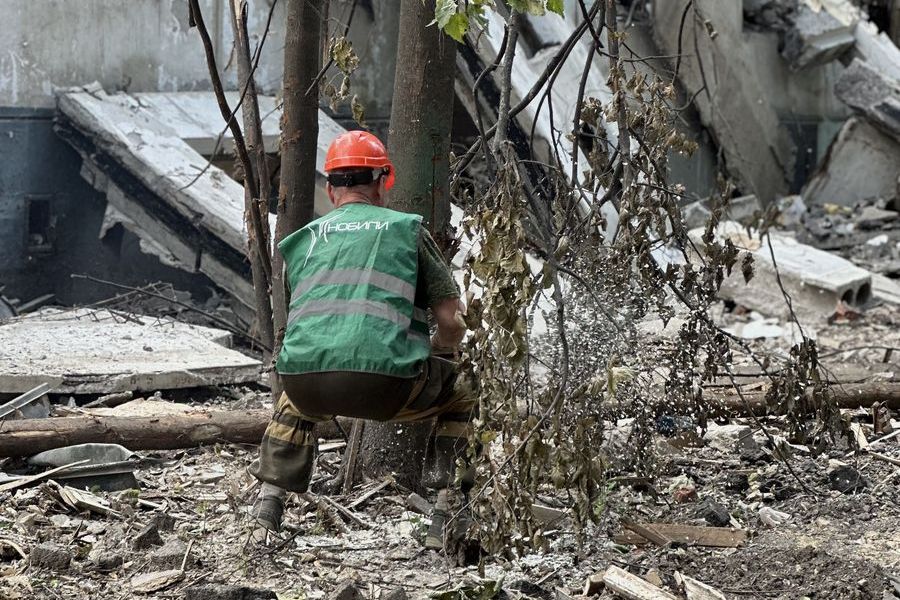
x,y
877,49
143,152
170,555
816,36
885,289
148,583
544,119
862,163
872,217
867,91
96,351
815,280
730,438
345,590
147,537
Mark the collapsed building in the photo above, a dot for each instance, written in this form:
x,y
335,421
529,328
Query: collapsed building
x,y
115,172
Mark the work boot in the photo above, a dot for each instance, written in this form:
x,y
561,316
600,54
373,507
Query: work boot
x,y
434,539
268,509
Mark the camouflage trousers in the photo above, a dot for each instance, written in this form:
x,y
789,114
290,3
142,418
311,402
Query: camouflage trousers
x,y
288,448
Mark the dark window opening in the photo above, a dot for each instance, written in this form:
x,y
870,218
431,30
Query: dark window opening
x,y
41,224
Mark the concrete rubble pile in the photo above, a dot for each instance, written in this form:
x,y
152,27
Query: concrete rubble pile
x,y
749,64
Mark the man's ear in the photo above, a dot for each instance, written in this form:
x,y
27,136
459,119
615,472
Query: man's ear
x,y
381,191
329,189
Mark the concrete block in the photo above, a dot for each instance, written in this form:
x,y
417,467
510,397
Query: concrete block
x,y
877,49
739,209
869,92
147,538
862,163
730,439
345,590
170,555
816,280
815,38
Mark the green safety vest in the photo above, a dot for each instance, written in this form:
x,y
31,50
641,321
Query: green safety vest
x,y
352,276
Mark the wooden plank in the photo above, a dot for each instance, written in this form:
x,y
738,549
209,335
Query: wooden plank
x,y
632,587
697,590
648,532
689,535
350,455
13,485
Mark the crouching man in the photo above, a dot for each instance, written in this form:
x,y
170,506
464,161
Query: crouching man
x,y
357,343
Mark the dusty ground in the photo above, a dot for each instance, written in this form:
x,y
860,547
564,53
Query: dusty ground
x,y
834,545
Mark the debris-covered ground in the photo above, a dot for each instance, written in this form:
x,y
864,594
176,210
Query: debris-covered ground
x,y
819,527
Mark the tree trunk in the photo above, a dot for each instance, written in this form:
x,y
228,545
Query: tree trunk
x,y
255,200
845,395
299,137
726,403
25,437
419,146
422,116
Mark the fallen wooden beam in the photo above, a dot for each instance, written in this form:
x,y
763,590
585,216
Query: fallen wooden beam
x,y
845,395
25,437
697,590
689,535
648,532
632,587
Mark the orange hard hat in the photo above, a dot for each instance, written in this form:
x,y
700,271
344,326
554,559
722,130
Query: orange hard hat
x,y
359,149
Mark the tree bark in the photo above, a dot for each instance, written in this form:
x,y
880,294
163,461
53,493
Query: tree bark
x,y
299,137
255,200
422,117
845,395
419,147
25,437
726,403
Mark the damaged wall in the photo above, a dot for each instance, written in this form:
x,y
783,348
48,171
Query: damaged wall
x,y
759,110
139,46
50,219
136,46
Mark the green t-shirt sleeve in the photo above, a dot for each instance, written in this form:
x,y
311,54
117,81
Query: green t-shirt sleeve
x,y
435,281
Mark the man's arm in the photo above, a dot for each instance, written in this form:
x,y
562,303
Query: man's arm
x,y
441,294
451,328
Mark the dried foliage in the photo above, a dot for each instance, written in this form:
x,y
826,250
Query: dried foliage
x,y
554,303
343,56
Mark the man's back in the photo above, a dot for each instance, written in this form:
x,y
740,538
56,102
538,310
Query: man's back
x,y
352,277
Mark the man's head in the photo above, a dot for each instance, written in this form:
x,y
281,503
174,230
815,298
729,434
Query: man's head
x,y
358,167
353,183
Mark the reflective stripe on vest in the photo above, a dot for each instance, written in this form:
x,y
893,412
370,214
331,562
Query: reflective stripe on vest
x,y
356,277
356,307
